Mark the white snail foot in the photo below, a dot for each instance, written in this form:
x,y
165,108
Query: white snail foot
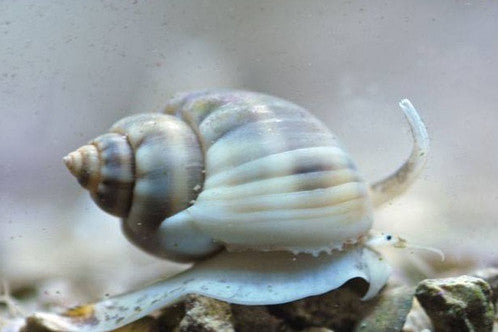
x,y
250,278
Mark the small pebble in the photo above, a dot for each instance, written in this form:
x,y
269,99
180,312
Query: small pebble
x,y
490,275
457,304
389,312
203,314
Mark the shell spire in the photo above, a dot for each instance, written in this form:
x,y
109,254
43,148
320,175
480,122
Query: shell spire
x,y
84,164
105,167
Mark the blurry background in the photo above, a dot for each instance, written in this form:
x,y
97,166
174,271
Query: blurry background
x,y
68,70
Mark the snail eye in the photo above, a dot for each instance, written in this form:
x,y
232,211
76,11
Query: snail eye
x,y
389,237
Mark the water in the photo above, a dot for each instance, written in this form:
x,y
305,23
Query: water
x,y
69,70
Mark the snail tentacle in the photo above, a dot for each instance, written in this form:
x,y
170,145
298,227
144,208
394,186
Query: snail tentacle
x,y
376,240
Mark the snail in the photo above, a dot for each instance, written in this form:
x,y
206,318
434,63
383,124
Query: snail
x,y
253,189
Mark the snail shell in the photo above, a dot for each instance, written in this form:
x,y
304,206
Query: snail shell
x,y
226,168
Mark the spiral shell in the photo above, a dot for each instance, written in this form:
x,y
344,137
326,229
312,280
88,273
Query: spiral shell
x,y
226,168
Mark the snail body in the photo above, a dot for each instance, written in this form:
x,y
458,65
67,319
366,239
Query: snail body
x,y
252,188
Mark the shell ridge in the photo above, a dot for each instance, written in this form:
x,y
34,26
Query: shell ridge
x,y
293,200
261,217
283,184
332,158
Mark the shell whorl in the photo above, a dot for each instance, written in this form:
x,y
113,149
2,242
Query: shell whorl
x,y
276,177
148,168
168,172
